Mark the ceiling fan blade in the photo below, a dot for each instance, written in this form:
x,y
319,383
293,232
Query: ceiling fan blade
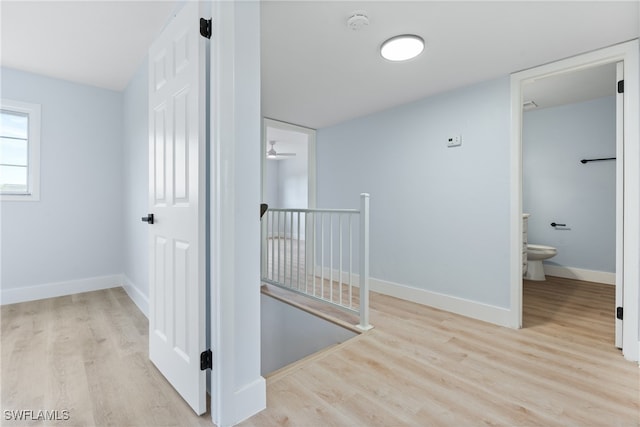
x,y
280,156
273,154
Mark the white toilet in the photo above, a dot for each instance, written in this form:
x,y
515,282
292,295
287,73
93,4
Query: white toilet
x,y
535,255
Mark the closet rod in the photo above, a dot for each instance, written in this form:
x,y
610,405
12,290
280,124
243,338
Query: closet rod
x,y
583,161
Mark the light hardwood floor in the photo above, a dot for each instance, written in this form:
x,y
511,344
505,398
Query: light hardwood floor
x,y
425,367
87,353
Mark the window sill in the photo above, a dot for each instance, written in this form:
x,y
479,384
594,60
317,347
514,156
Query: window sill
x,y
19,197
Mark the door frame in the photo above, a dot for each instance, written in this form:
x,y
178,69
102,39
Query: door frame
x,y
627,236
238,391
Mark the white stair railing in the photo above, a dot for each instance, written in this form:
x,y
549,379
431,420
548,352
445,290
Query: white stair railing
x,y
320,253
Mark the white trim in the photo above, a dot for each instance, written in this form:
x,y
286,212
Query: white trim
x,y
619,206
58,289
238,389
464,307
629,53
285,235
33,180
515,206
580,274
328,272
250,400
137,296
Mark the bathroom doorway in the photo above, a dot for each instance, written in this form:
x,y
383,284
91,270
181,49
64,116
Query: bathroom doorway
x,y
569,192
627,183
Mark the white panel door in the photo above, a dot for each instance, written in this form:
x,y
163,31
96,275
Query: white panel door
x,y
177,201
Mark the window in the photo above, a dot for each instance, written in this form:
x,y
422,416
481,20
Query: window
x,y
19,151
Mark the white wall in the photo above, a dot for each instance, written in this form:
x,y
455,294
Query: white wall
x,y
439,215
287,183
74,232
293,180
135,189
292,186
558,188
273,181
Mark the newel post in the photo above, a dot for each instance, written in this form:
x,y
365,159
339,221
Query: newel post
x,y
364,262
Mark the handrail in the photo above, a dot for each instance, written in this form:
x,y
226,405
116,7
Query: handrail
x,y
311,252
315,210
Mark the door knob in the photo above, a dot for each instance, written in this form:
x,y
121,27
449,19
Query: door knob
x,y
148,218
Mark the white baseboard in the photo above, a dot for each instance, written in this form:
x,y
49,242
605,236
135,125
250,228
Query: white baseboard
x,y
580,274
247,401
476,310
283,235
58,289
137,296
334,274
464,307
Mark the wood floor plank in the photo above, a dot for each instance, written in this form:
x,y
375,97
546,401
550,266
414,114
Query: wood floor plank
x,y
420,366
561,369
86,354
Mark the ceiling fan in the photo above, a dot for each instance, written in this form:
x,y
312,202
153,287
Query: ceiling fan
x,y
273,154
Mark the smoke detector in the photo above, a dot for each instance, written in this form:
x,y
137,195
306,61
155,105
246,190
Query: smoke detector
x,y
358,20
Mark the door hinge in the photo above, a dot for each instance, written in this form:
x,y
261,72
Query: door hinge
x,y
621,86
205,28
206,360
619,313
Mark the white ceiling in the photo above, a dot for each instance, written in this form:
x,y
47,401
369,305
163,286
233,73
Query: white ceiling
x,y
99,43
315,71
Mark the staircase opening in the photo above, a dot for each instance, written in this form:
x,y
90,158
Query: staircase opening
x,y
291,333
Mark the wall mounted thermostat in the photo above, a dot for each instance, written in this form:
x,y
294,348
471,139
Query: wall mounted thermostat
x,y
454,141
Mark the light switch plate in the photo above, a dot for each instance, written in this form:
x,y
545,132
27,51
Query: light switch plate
x,y
454,141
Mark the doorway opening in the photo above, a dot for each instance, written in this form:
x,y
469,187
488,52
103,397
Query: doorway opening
x,y
569,200
288,165
288,168
627,183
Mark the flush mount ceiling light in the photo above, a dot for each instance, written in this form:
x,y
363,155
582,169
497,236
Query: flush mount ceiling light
x,y
402,48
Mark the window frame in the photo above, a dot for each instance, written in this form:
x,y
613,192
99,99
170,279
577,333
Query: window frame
x,y
33,111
